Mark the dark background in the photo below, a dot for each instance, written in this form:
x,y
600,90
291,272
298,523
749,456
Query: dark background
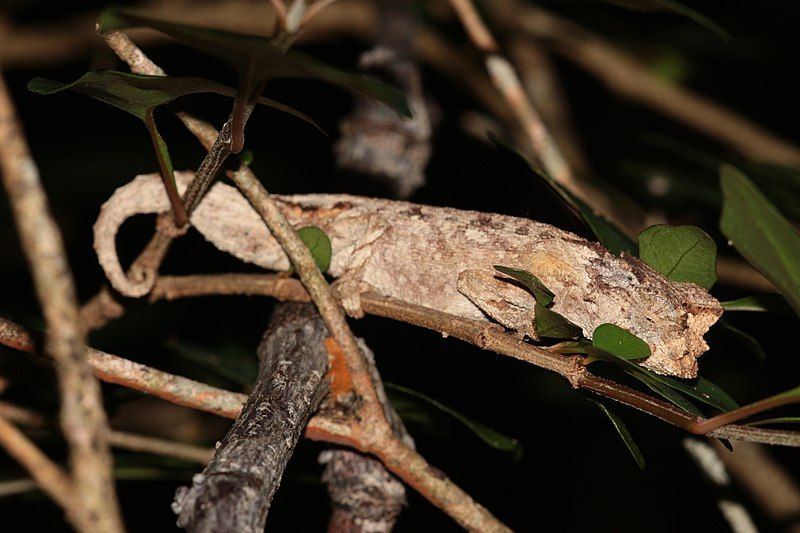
x,y
574,472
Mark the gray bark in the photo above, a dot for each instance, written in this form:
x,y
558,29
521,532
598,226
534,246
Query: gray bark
x,y
235,490
365,497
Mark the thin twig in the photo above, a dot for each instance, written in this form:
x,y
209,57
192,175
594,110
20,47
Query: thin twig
x,y
83,418
766,481
135,442
119,439
629,77
482,334
48,476
327,427
505,78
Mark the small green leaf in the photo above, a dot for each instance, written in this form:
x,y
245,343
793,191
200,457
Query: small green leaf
x,y
541,293
319,244
759,303
607,233
256,60
761,233
553,325
623,432
681,253
653,381
247,157
233,364
619,342
490,436
140,96
671,6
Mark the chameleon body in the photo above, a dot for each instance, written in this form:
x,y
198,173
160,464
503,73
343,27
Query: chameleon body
x,y
443,258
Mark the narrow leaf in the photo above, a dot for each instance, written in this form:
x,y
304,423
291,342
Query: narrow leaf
x,y
256,60
490,436
681,253
650,379
541,293
760,303
607,233
620,342
553,325
671,6
761,233
319,244
623,433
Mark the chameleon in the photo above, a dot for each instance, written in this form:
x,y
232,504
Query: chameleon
x,y
442,258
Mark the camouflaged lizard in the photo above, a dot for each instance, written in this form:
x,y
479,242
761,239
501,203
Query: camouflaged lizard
x,y
443,258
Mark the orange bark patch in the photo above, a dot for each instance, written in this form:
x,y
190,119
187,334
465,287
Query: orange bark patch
x,y
341,381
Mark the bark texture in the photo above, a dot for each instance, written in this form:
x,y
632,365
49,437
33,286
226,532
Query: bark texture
x,y
234,492
365,497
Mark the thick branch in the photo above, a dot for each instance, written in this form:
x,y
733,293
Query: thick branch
x,y
82,416
234,491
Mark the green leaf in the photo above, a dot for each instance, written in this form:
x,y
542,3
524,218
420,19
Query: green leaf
x,y
247,158
671,6
541,293
652,380
701,389
619,342
623,433
256,60
761,233
233,364
140,96
553,325
492,437
607,233
681,253
319,244
760,303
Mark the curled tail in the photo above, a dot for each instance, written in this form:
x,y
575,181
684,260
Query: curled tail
x,y
145,194
224,218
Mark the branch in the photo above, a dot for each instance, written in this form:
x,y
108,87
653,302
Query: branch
x,y
48,476
143,271
327,427
235,490
365,497
507,81
627,76
766,482
482,334
118,439
83,419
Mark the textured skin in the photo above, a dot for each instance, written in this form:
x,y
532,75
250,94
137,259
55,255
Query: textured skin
x,y
442,258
